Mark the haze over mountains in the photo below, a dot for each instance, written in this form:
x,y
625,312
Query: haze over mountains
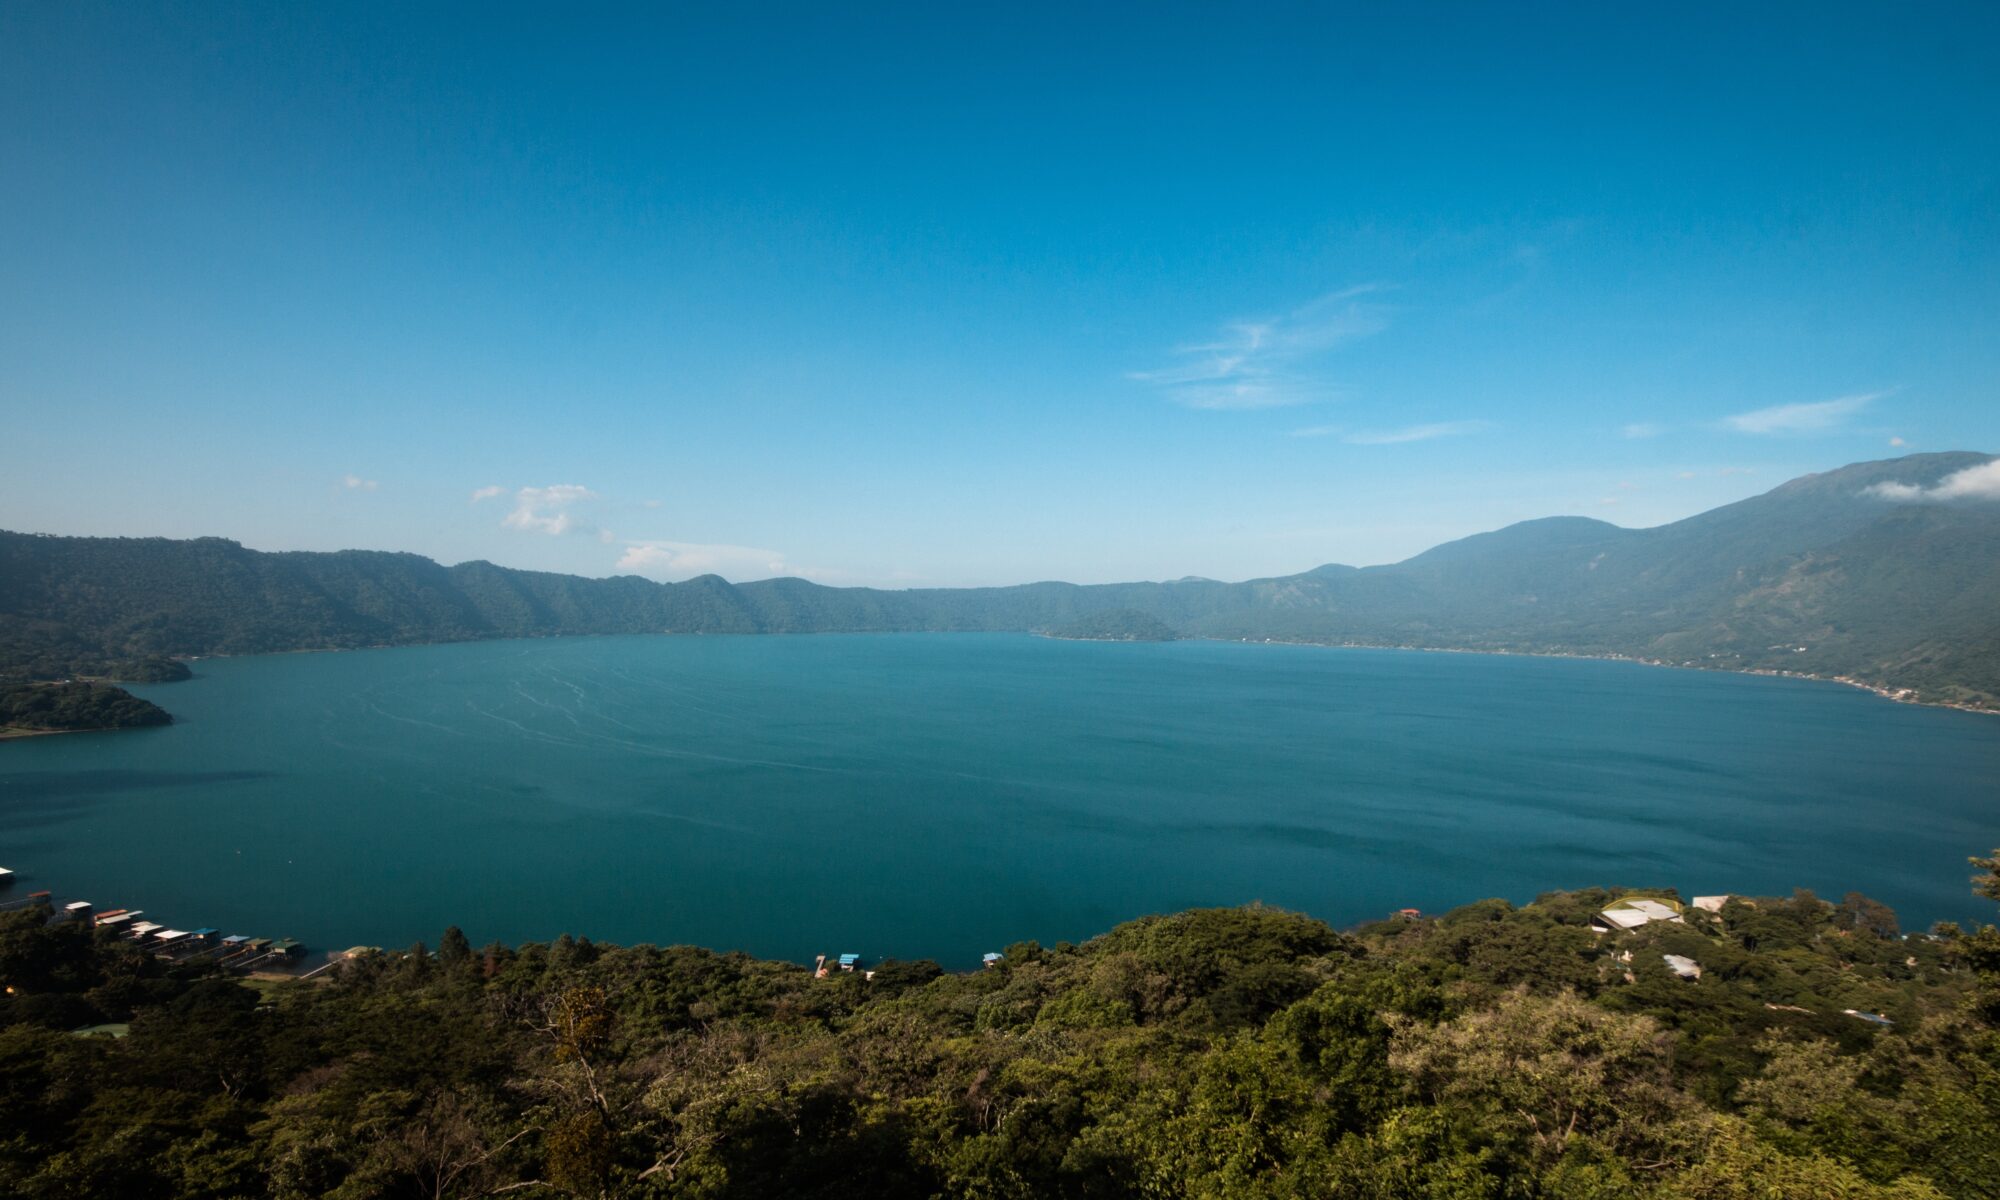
x,y
1885,572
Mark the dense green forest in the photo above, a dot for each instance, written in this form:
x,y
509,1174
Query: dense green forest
x,y
1822,575
75,706
1491,1052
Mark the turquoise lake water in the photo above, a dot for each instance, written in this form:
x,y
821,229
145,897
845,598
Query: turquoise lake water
x,y
943,795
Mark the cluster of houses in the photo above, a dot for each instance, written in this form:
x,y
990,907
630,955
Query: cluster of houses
x,y
175,945
1636,912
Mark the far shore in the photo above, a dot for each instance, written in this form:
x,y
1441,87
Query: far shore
x,y
1896,694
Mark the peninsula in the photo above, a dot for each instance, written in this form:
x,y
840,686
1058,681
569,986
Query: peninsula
x,y
73,707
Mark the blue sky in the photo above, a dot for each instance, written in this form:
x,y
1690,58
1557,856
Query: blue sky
x,y
953,295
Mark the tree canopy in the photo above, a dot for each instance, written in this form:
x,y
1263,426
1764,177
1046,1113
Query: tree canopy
x,y
1492,1052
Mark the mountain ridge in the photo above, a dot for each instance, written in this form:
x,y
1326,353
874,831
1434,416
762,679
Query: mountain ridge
x,y
1821,575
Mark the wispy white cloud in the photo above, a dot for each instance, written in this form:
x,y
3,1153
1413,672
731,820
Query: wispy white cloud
x,y
1416,433
548,510
1644,429
1801,418
1267,362
354,483
1973,483
487,493
1314,431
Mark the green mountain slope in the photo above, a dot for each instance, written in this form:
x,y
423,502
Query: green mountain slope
x,y
1821,575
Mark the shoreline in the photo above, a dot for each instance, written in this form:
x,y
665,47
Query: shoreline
x,y
11,732
1121,641
1896,695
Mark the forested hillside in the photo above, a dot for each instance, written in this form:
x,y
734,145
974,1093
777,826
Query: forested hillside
x,y
1493,1052
1117,625
1824,575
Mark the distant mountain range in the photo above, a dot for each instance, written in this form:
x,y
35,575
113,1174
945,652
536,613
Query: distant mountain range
x,y
1885,573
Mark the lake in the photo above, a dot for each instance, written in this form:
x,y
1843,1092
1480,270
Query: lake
x,y
944,795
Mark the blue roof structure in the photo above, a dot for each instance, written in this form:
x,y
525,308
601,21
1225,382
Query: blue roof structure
x,y
848,960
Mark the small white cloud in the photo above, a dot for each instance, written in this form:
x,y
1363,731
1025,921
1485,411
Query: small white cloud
x,y
487,493
1684,475
1801,418
1726,472
1627,485
1313,431
1608,501
1973,483
1643,429
1896,441
547,510
354,483
1416,433
650,503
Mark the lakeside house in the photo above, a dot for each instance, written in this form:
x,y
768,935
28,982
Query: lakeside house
x,y
1634,913
1711,904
